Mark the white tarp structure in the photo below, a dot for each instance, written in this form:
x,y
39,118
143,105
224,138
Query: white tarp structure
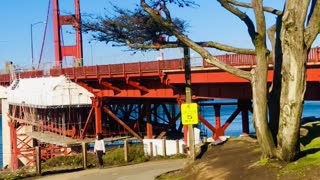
x,y
47,92
3,92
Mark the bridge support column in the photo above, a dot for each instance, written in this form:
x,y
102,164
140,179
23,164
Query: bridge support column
x,y
244,106
219,130
14,147
97,103
149,123
185,134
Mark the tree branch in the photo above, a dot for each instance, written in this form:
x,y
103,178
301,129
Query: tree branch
x,y
246,19
261,24
166,11
271,35
188,42
209,44
152,46
313,28
227,48
248,5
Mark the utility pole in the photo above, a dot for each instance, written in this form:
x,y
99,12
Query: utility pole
x,y
31,39
187,70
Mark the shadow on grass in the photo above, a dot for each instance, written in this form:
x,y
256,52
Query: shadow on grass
x,y
309,151
313,132
311,140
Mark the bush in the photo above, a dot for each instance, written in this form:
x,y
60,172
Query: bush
x,y
60,161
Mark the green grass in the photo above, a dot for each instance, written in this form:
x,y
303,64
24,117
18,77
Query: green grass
x,y
310,152
18,174
113,157
313,144
60,161
300,166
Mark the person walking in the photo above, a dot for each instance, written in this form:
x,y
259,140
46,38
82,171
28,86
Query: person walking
x,y
99,148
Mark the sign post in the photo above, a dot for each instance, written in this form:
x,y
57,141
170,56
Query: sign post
x,y
189,117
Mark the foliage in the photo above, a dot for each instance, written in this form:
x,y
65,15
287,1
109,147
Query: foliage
x,y
129,28
60,161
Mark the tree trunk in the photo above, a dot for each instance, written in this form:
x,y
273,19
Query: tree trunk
x,y
292,95
293,86
274,95
259,96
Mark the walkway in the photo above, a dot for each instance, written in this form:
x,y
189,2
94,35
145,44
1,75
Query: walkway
x,y
145,171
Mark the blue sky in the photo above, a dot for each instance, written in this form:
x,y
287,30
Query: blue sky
x,y
207,22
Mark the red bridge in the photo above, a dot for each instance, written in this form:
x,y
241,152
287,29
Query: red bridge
x,y
138,99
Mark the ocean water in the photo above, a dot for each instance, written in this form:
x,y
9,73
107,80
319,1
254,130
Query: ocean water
x,y
311,108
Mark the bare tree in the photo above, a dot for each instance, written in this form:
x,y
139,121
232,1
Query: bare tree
x,y
291,37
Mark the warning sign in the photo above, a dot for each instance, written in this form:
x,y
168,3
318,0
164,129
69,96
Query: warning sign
x,y
189,113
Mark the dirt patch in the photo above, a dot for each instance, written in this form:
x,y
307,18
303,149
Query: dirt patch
x,y
238,158
235,159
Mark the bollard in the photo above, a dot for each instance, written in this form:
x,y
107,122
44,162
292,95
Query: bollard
x,y
125,149
84,155
151,149
164,148
38,160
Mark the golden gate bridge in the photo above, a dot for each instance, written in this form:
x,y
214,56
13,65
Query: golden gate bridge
x,y
140,99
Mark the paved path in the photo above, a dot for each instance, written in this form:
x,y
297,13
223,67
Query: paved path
x,y
143,171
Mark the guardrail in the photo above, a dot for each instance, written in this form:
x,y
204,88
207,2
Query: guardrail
x,y
140,68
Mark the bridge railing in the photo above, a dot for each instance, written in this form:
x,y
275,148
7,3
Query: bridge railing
x,y
121,69
30,74
6,78
250,60
234,60
146,67
314,55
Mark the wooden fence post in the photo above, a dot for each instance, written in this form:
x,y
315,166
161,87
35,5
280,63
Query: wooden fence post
x,y
84,155
164,147
125,149
38,160
151,149
177,146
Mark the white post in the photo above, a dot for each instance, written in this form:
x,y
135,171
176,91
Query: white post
x,y
6,149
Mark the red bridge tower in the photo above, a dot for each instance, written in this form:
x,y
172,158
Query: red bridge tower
x,y
61,50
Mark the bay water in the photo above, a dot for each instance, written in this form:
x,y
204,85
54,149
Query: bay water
x,y
310,109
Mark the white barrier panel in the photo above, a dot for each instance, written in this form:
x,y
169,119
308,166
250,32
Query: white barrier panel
x,y
197,138
3,92
171,147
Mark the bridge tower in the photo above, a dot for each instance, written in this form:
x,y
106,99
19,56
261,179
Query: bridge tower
x,y
62,51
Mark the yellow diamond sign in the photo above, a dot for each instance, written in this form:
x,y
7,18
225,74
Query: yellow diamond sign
x,y
189,113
